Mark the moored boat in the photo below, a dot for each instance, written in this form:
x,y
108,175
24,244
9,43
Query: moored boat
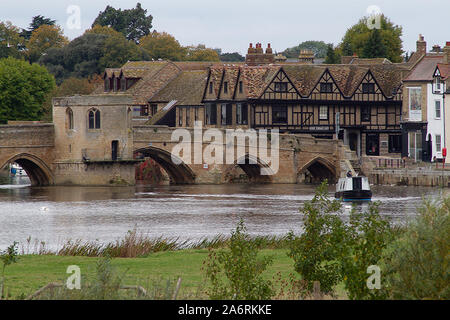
x,y
353,189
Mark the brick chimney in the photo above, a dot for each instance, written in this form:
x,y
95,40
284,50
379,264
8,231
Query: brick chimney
x,y
436,48
256,56
421,45
446,58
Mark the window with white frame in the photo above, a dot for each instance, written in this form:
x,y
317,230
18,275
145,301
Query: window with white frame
x,y
438,109
438,143
323,113
437,84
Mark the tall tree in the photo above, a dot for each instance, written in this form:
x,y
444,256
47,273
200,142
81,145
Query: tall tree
x,y
36,22
332,57
44,38
201,53
161,45
231,57
11,43
23,89
318,47
132,23
357,36
374,47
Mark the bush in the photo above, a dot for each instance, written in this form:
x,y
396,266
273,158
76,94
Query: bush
x,y
416,265
368,234
317,250
236,273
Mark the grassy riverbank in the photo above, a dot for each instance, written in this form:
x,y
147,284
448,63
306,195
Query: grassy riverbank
x,y
32,272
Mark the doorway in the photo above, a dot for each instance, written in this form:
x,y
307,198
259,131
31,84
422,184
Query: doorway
x,y
372,144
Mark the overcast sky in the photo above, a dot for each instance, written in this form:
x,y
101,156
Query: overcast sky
x,y
232,24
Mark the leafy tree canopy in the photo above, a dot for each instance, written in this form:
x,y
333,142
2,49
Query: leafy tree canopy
x,y
357,36
332,56
132,23
201,53
23,89
44,38
36,22
318,47
161,45
231,57
11,42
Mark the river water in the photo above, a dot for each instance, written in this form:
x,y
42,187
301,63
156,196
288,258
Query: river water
x,y
57,214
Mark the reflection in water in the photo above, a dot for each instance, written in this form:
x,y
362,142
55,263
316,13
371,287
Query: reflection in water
x,y
56,214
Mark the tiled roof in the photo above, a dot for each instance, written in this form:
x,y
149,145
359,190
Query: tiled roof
x,y
424,70
444,69
187,88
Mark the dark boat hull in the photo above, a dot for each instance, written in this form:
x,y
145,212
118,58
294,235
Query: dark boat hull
x,y
354,195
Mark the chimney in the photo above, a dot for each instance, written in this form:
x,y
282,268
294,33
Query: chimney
x,y
269,49
421,45
436,48
446,58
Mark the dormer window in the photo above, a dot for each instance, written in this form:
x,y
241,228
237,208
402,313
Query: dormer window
x,y
280,87
326,87
368,88
210,88
225,87
437,85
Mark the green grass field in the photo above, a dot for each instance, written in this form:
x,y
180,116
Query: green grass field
x,y
32,272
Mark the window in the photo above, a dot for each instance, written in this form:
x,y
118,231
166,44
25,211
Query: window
x,y
225,87
106,84
210,114
395,143
438,143
368,88
372,144
144,111
365,113
323,113
188,117
437,84
153,109
438,109
241,113
196,117
279,114
210,88
94,119
326,87
280,87
180,117
69,119
241,88
226,114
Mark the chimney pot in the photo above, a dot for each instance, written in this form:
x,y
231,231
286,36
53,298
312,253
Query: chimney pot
x,y
447,44
268,45
251,45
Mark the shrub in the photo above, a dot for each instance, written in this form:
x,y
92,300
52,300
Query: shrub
x,y
368,234
316,251
416,265
236,272
7,257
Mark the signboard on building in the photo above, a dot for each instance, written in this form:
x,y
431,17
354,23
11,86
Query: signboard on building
x,y
415,104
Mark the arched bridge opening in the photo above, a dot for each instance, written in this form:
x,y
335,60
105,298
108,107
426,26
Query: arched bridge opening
x,y
255,171
179,173
38,172
317,170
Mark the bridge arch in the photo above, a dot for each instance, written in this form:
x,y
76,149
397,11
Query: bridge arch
x,y
179,174
36,169
252,166
319,169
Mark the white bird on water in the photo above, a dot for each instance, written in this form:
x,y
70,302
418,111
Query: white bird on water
x,y
44,209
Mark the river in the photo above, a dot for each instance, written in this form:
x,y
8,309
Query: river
x,y
57,214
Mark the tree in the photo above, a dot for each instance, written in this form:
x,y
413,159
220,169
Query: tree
x,y
332,56
318,47
118,50
231,57
11,42
44,38
132,23
201,53
23,89
161,45
374,47
357,36
37,22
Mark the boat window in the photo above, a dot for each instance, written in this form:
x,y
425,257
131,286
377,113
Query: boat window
x,y
357,183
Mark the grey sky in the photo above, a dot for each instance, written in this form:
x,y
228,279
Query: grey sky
x,y
232,24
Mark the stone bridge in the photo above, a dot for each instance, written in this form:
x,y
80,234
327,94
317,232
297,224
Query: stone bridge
x,y
301,157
